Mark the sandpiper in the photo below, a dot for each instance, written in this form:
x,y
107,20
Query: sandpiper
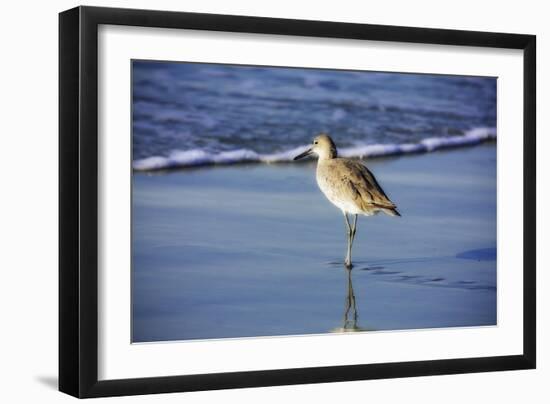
x,y
349,185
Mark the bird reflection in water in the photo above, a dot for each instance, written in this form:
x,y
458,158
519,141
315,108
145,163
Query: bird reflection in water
x,y
351,316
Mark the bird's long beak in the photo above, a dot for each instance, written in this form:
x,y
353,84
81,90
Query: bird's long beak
x,y
304,154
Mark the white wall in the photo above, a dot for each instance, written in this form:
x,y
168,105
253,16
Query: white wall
x,y
28,214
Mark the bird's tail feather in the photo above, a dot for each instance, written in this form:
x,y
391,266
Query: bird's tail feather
x,y
391,212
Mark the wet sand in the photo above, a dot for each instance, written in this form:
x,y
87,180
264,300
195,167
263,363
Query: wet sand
x,y
257,250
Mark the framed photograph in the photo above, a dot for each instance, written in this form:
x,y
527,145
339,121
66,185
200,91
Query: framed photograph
x,y
251,201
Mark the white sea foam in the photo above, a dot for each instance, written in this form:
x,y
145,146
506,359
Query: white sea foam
x,y
197,157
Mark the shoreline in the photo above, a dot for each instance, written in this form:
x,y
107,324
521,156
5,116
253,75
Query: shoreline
x,y
181,160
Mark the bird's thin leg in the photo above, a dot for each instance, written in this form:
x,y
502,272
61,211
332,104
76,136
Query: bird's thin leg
x,y
353,229
350,241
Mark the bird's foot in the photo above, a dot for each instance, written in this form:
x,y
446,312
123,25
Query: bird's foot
x,y
348,264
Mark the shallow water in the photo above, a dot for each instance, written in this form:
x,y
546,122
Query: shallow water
x,y
256,250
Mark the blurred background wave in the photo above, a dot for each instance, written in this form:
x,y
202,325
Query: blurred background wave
x,y
192,113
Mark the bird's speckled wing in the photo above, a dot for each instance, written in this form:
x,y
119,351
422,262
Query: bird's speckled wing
x,y
362,184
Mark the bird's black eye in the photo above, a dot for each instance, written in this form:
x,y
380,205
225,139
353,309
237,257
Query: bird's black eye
x,y
314,142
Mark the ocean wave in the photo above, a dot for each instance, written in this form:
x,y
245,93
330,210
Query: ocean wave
x,y
197,157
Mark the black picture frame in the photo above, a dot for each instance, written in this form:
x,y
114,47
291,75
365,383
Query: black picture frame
x,y
78,201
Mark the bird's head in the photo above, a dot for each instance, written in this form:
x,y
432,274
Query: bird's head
x,y
322,146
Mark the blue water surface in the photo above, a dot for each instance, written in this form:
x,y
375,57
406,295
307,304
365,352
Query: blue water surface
x,y
216,108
